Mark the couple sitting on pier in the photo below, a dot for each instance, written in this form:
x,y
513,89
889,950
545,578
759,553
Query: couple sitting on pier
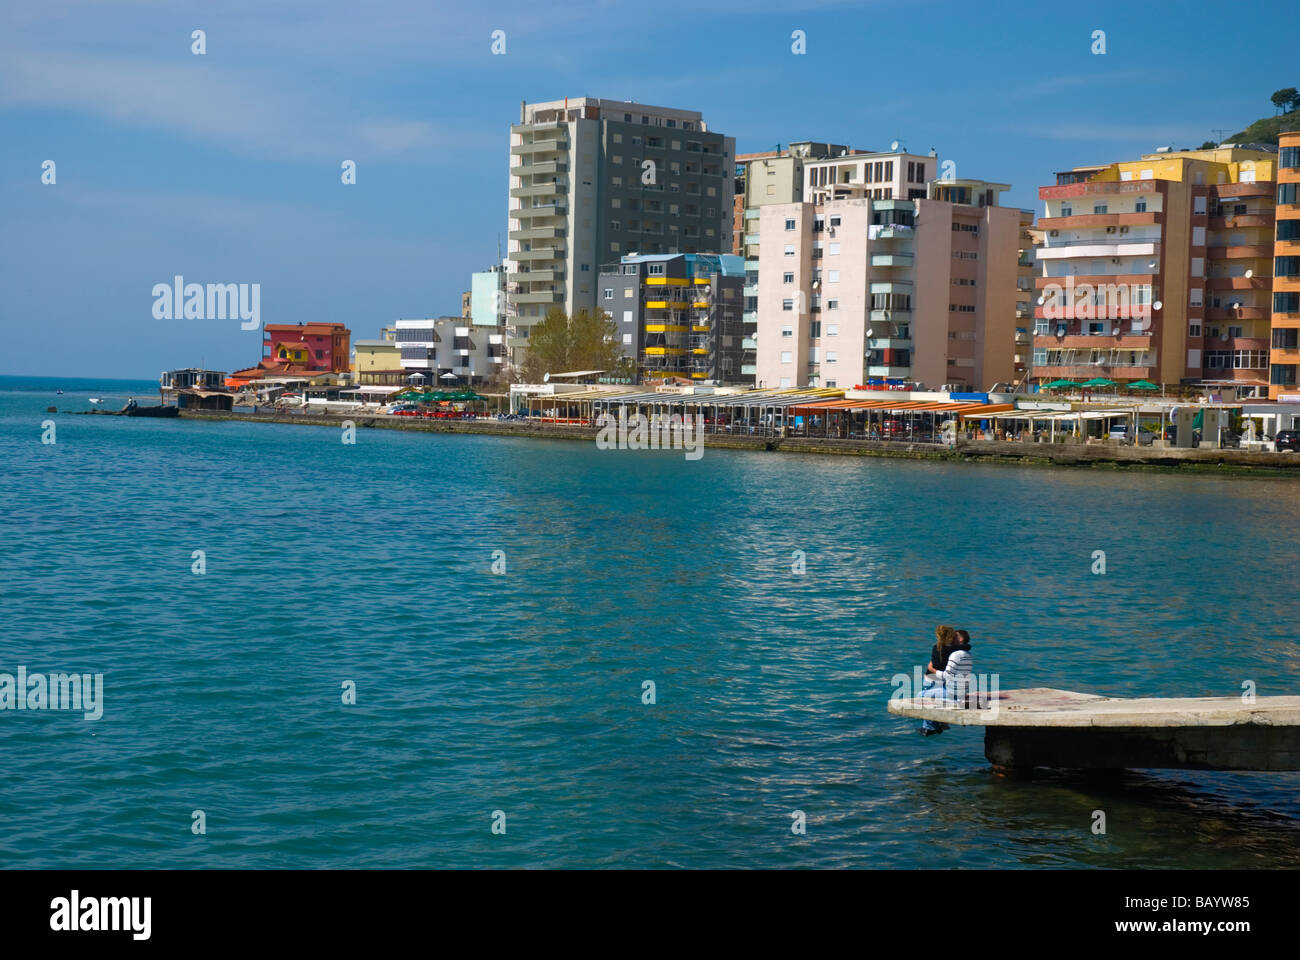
x,y
948,675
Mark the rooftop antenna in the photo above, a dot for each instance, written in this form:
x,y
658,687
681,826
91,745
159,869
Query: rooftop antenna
x,y
1219,134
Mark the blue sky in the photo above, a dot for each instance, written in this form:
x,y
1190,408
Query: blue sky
x,y
224,168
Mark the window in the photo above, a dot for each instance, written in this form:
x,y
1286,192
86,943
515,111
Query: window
x,y
1286,338
627,339
616,158
835,221
789,249
654,269
609,293
833,249
1198,206
1286,266
833,276
1067,210
1194,329
1287,192
1198,266
832,304
1196,294
627,293
789,224
1099,208
831,356
787,278
1141,205
627,316
1289,157
787,305
787,356
1286,302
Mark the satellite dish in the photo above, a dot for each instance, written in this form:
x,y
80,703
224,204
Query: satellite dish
x,y
546,378
894,145
1041,301
1249,274
1157,305
1153,264
871,331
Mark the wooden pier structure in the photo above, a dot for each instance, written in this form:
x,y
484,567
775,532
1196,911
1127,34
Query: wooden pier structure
x,y
1042,727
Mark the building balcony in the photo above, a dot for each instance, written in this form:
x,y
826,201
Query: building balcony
x,y
889,373
1087,371
553,145
885,316
536,296
1092,249
544,253
1093,341
892,260
1254,251
1239,283
748,370
1089,220
538,233
1093,312
1230,314
889,343
548,189
748,343
901,287
750,291
1240,221
1099,188
1260,188
539,212
522,279
540,168
1098,279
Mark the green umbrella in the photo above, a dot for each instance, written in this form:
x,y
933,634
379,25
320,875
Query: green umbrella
x,y
1060,384
1142,385
1099,382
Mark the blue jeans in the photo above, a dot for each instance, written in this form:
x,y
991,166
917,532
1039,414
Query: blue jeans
x,y
933,690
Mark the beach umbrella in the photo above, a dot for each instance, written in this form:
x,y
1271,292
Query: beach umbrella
x,y
1099,382
1142,385
1060,385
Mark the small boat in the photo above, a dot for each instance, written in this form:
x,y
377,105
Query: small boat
x,y
58,393
133,409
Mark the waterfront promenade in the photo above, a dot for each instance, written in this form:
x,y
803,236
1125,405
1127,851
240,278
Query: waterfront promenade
x,y
1097,455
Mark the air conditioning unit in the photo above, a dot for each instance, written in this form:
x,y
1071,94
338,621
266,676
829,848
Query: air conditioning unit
x,y
1110,229
1123,229
1053,233
1114,259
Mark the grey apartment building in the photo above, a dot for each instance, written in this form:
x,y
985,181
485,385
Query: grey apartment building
x,y
592,180
679,315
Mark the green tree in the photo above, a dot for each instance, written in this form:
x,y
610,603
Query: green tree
x,y
586,341
1208,145
1288,98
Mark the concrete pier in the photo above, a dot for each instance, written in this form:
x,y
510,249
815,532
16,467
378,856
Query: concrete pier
x,y
1041,727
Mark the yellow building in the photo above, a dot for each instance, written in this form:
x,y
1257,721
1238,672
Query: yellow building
x,y
378,362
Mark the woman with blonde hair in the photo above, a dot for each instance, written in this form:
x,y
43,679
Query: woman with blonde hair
x,y
948,676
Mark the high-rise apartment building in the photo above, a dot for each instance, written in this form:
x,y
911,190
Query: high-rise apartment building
x,y
1285,344
678,315
594,179
884,275
1159,269
773,177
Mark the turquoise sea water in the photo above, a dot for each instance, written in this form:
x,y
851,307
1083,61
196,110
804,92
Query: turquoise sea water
x,y
522,692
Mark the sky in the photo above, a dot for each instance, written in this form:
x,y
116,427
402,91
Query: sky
x,y
225,167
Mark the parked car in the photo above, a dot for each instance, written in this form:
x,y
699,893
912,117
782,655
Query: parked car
x,y
1171,434
1121,434
1287,440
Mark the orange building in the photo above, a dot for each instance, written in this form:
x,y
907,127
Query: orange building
x,y
1284,355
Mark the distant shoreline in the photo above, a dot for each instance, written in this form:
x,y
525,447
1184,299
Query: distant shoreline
x,y
1096,456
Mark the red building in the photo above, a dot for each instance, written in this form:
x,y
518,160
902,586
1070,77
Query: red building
x,y
305,349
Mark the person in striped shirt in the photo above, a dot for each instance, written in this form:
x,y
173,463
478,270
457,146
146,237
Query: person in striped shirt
x,y
950,677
